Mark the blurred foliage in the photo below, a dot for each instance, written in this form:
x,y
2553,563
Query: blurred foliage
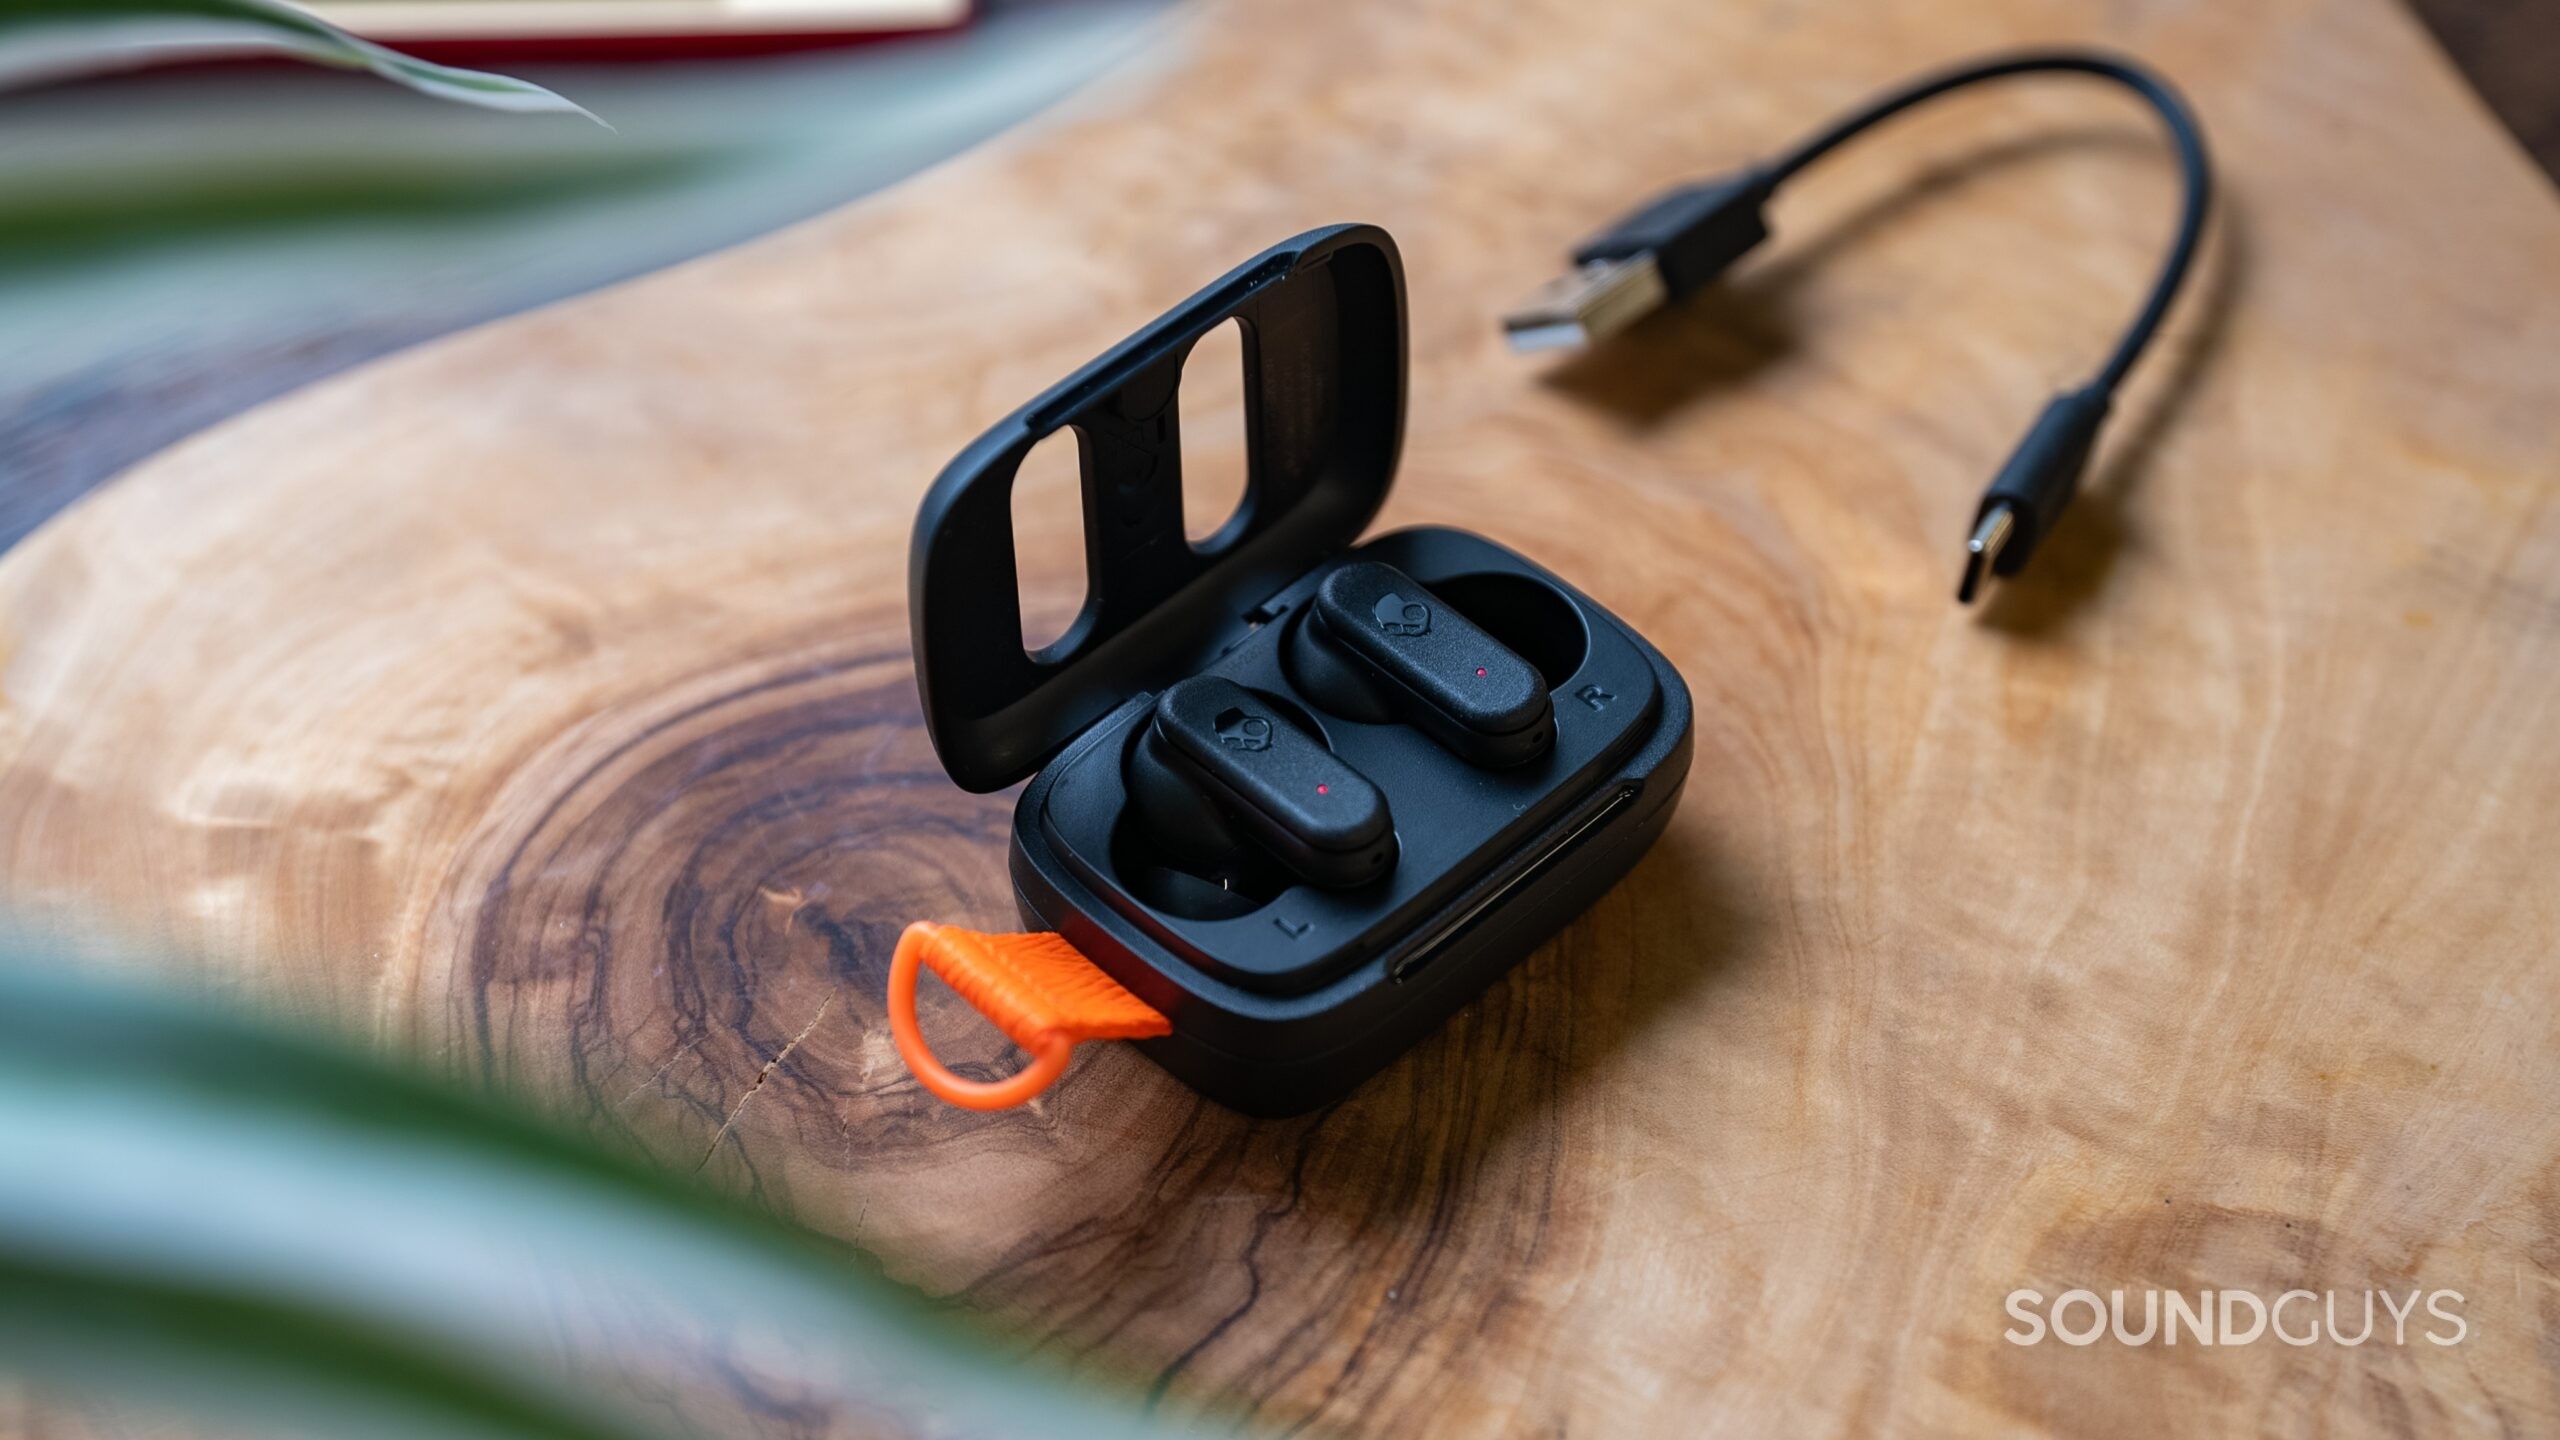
x,y
62,212
251,1227
261,1229
255,1228
180,245
43,40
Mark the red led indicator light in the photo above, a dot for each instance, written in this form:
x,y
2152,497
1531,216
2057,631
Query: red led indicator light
x,y
1479,669
1324,789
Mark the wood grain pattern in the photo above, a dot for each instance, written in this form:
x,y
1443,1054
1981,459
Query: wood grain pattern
x,y
538,700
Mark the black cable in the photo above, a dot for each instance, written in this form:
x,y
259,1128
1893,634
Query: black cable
x,y
1685,238
2196,171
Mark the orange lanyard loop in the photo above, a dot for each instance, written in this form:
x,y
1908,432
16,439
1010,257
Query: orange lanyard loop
x,y
1038,989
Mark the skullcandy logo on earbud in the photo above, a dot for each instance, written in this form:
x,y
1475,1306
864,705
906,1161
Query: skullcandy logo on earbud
x,y
1399,616
1239,731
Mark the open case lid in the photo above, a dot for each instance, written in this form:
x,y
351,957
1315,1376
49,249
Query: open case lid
x,y
1322,320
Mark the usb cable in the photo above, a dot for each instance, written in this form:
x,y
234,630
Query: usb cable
x,y
1683,239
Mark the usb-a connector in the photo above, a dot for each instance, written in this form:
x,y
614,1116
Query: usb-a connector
x,y
1672,246
1587,304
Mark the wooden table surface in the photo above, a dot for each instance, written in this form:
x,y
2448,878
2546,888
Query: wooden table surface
x,y
538,700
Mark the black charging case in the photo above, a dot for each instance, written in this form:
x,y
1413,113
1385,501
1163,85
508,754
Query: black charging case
x,y
1282,995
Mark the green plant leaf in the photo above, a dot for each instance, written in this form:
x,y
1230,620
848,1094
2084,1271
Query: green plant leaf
x,y
43,40
255,1226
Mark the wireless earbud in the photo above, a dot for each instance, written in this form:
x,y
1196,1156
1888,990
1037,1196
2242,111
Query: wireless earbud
x,y
1376,646
1221,769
